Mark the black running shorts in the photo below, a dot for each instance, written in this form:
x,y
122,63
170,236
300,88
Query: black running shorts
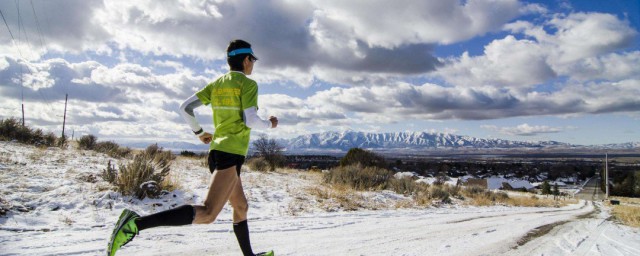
x,y
219,160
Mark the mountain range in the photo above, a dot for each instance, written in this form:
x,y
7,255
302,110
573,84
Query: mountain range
x,y
340,142
404,140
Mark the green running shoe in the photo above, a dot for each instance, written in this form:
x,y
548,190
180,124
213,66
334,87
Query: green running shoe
x,y
124,231
269,253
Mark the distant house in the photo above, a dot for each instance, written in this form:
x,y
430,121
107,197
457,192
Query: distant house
x,y
567,180
558,183
494,183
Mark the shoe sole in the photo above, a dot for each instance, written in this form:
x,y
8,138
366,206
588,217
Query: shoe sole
x,y
125,216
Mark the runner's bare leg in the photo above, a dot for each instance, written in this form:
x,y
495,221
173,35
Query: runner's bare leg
x,y
222,184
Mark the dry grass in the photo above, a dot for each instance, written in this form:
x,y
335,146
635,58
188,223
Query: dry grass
x,y
627,200
171,182
533,201
628,160
359,177
37,154
480,197
258,164
338,197
627,214
66,220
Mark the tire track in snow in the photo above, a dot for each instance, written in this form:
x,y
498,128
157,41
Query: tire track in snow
x,y
584,235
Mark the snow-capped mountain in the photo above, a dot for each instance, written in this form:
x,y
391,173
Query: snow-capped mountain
x,y
340,142
404,140
618,146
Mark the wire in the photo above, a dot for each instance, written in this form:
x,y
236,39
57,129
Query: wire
x,y
5,23
37,24
21,25
20,29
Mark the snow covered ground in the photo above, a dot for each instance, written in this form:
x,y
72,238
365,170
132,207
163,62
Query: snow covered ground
x,y
58,206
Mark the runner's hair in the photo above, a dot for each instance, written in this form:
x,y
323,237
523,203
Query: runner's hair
x,y
235,62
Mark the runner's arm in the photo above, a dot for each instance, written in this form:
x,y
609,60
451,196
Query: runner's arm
x,y
252,120
186,111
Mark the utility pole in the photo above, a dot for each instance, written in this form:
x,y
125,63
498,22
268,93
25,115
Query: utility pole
x,y
606,175
22,94
64,121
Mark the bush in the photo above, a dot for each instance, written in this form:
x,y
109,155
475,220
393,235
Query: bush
x,y
12,129
354,176
483,197
105,146
87,142
258,164
270,151
187,153
453,191
406,186
438,192
110,174
473,191
145,176
362,157
112,149
62,142
50,139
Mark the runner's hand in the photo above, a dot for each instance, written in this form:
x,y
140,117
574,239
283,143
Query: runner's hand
x,y
205,138
274,121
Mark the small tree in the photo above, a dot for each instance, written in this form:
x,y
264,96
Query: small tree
x,y
363,157
556,191
270,150
546,188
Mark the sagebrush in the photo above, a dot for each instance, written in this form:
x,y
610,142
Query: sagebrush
x,y
12,129
358,177
144,176
88,142
112,149
259,164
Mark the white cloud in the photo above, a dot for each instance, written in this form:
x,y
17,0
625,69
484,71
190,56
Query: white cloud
x,y
288,34
580,48
613,67
390,24
523,129
518,64
582,35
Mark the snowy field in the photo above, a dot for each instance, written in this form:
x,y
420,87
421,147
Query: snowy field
x,y
58,206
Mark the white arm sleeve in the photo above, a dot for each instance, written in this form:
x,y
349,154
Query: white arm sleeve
x,y
252,120
186,111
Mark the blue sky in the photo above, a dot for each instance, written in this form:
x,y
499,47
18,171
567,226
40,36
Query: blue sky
x,y
518,70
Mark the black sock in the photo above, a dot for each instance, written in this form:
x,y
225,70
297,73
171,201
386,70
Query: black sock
x,y
179,216
242,234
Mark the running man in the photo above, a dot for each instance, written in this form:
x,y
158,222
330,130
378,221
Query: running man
x,y
234,100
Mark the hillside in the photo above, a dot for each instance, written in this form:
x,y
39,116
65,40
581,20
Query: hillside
x,y
57,205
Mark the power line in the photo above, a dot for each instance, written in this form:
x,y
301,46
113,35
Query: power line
x,y
21,25
5,23
37,24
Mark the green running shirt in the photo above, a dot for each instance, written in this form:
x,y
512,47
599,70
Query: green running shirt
x,y
229,95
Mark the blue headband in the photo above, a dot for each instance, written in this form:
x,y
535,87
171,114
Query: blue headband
x,y
241,51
